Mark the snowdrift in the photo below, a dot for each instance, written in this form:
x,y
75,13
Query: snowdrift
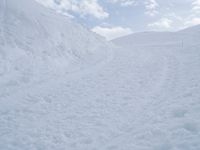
x,y
36,42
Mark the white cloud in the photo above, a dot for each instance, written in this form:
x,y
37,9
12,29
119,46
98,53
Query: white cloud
x,y
81,7
196,6
163,23
151,7
192,22
124,2
112,32
195,21
92,7
194,16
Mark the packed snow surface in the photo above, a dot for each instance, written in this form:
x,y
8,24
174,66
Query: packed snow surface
x,y
64,88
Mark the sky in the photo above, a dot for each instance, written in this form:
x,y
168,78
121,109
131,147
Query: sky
x,y
115,18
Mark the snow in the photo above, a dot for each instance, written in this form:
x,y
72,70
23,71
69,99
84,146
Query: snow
x,y
36,42
142,94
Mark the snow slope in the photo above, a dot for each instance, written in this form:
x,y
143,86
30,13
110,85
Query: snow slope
x,y
145,97
192,30
36,42
170,115
190,36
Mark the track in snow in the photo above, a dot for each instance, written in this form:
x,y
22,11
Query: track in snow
x,y
139,100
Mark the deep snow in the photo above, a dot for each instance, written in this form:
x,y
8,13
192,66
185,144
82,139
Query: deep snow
x,y
142,94
36,42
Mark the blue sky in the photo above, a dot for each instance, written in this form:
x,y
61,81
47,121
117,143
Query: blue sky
x,y
115,18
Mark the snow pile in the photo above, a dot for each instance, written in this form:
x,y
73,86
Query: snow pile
x,y
35,41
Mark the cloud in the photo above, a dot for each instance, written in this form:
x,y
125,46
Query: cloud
x,y
192,22
194,16
124,2
176,19
112,32
196,6
151,7
81,7
163,23
92,7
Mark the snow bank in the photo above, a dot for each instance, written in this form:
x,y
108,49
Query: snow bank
x,y
36,42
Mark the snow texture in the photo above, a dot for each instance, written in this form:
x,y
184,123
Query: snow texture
x,y
36,42
64,88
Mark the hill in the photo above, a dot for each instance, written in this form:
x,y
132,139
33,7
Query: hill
x,y
36,42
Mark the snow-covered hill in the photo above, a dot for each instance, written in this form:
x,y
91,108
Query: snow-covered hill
x,y
190,36
170,119
192,30
36,42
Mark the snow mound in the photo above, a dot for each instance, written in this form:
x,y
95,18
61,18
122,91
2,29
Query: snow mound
x,y
35,41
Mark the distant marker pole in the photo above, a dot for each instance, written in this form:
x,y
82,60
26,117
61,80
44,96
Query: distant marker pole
x,y
182,43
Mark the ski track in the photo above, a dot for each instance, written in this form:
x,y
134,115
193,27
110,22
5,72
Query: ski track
x,y
136,100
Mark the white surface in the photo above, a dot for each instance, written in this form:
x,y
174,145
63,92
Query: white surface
x,y
36,42
144,97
